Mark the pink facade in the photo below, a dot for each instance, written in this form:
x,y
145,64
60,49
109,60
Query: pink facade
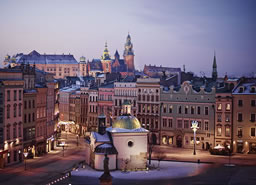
x,y
41,121
12,93
105,102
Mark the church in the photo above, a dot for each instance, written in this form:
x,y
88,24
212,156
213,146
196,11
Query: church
x,y
125,143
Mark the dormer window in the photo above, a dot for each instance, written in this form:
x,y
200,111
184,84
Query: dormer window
x,y
241,89
252,90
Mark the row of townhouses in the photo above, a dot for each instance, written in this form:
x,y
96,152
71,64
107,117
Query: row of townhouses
x,y
28,113
225,110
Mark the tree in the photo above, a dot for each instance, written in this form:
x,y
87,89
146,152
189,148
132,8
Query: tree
x,y
160,156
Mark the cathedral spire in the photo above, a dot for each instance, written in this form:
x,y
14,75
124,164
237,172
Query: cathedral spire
x,y
214,68
128,47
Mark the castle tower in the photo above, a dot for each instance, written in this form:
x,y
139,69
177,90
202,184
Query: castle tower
x,y
82,66
106,60
214,69
129,54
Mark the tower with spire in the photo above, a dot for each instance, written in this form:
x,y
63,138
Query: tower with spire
x,y
129,54
214,69
106,60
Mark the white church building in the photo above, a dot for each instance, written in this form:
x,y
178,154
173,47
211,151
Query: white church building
x,y
125,143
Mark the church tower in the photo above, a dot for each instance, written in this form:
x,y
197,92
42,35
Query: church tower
x,y
129,54
214,69
106,60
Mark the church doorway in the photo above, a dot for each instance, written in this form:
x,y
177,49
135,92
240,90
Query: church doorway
x,y
154,139
179,141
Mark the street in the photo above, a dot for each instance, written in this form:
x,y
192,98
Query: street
x,y
41,170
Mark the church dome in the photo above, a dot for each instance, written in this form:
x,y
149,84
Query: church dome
x,y
126,122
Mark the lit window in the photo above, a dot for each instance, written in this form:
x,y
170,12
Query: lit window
x,y
164,140
219,106
228,106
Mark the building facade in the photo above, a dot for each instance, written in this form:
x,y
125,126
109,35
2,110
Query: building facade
x,y
244,110
11,117
148,91
181,106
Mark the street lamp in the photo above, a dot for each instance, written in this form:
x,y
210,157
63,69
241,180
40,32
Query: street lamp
x,y
63,145
25,155
77,139
194,128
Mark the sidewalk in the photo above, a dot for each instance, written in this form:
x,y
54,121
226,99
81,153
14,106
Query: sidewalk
x,y
186,155
42,170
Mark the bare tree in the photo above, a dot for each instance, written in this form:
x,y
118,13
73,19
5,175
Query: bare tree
x,y
160,156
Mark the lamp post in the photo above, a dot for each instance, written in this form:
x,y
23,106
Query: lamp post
x,y
77,139
194,128
63,145
25,155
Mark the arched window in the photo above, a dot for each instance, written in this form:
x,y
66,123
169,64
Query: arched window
x,y
8,111
15,110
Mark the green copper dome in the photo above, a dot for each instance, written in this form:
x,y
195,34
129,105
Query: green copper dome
x,y
126,122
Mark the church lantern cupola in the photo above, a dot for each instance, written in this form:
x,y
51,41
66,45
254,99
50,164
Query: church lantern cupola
x,y
106,55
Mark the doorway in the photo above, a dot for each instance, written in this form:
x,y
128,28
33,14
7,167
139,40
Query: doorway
x,y
179,141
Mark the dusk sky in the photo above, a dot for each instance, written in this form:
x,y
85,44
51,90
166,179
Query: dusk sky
x,y
167,32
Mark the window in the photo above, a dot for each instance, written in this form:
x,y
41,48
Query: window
x,y
239,132
186,109
19,130
15,110
253,132
29,118
33,116
164,122
192,110
170,140
198,110
240,103
227,117
206,125
20,107
240,117
25,104
219,117
179,124
170,108
8,95
219,107
14,131
25,118
227,131
20,95
241,90
164,108
170,123
152,98
29,104
253,103
8,111
157,98
219,130
228,107
33,103
252,117
179,109
14,95
186,124
252,90
148,98
206,110
8,132
164,140
199,125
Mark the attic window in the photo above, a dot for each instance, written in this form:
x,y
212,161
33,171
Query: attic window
x,y
241,90
252,89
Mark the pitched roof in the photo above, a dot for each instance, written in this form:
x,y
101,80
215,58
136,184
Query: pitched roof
x,y
35,57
